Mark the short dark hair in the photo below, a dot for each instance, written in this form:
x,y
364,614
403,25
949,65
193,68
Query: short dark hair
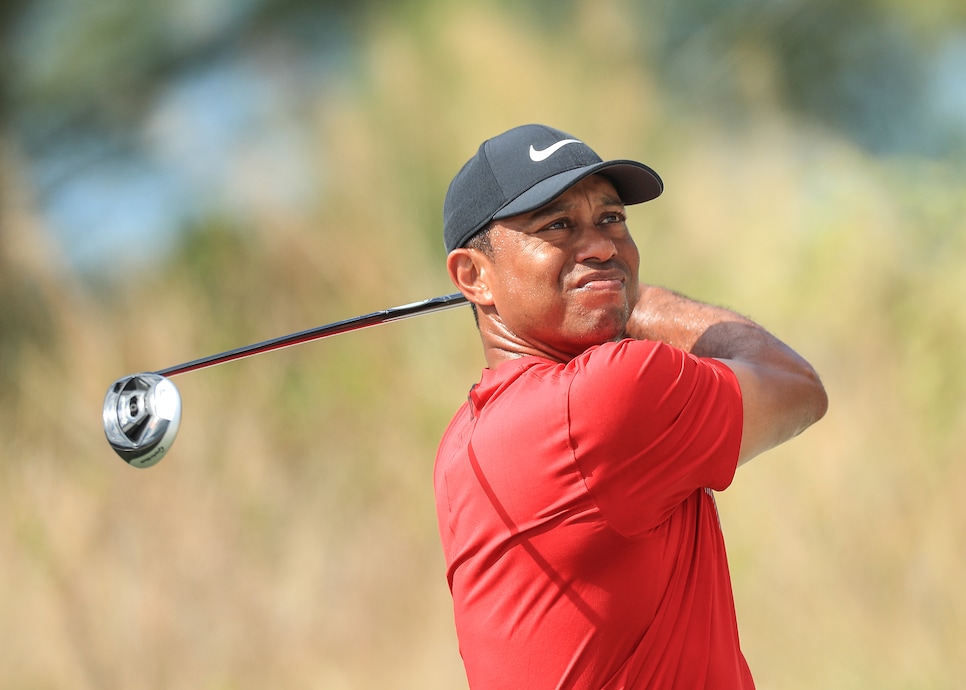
x,y
481,241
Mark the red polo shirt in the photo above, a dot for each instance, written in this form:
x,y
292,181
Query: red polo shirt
x,y
581,537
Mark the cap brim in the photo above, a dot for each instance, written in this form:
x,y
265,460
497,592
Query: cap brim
x,y
635,183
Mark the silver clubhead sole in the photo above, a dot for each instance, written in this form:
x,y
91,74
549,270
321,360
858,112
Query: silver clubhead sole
x,y
142,413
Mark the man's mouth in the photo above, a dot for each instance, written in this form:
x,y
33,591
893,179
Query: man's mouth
x,y
602,280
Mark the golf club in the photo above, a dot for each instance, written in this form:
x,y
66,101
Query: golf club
x,y
142,412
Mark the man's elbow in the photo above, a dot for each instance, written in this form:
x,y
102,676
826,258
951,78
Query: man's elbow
x,y
810,404
779,402
818,396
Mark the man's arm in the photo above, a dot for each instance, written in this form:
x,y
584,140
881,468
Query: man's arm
x,y
782,394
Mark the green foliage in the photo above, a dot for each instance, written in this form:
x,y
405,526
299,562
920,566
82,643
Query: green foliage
x,y
25,323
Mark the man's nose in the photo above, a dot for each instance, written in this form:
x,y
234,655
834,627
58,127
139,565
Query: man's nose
x,y
595,243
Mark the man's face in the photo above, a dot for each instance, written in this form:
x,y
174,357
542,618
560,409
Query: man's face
x,y
564,277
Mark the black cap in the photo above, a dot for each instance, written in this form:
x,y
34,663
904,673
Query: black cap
x,y
523,169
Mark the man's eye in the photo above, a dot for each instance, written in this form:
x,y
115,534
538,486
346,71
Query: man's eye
x,y
556,225
613,218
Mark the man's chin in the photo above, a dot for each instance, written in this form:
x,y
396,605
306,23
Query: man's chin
x,y
605,330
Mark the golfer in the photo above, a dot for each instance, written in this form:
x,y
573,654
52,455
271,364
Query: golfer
x,y
574,487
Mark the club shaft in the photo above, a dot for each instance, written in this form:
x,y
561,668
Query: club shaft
x,y
377,318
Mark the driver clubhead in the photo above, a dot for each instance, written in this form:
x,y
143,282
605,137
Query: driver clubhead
x,y
142,413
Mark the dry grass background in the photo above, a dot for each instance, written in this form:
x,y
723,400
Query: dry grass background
x,y
289,538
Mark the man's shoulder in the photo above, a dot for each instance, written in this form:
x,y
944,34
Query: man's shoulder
x,y
627,352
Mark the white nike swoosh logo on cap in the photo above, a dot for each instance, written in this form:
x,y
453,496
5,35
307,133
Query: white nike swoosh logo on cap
x,y
537,156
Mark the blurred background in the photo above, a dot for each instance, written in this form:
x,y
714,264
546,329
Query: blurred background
x,y
181,177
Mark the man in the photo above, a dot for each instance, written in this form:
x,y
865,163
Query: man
x,y
574,487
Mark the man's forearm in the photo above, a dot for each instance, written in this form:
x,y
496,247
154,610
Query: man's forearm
x,y
781,393
664,315
702,329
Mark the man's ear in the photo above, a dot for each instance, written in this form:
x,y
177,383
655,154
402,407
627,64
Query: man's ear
x,y
469,269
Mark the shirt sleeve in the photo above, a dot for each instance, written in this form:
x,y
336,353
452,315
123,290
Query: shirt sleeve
x,y
650,424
